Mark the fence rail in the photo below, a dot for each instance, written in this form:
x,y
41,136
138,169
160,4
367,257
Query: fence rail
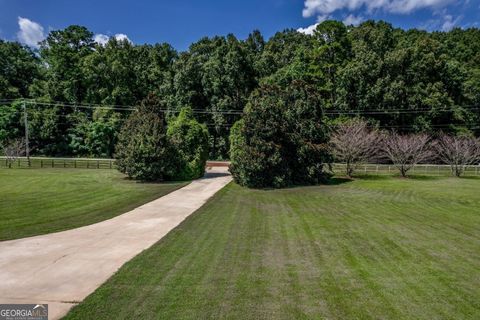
x,y
71,163
419,169
337,168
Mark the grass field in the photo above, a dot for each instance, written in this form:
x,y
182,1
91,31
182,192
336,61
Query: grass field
x,y
41,201
374,248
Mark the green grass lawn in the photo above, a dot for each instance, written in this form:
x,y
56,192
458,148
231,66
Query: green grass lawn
x,y
41,201
374,248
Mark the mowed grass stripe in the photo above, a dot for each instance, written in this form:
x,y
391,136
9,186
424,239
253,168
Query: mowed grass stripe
x,y
384,248
36,202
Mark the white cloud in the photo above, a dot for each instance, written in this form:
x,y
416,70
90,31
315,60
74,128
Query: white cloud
x,y
121,36
442,21
308,30
31,33
326,7
352,20
102,39
449,22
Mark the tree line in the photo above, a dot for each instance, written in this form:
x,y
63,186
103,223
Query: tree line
x,y
410,81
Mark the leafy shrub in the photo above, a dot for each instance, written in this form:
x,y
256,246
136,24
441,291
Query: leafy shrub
x,y
190,140
282,139
96,137
143,151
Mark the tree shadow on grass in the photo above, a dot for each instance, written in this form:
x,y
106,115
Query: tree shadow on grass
x,y
426,177
335,181
210,175
469,178
370,177
412,177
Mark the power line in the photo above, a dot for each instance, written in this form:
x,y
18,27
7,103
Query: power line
x,y
130,108
236,112
326,111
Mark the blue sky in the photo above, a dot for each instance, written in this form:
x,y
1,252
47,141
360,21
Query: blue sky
x,y
182,22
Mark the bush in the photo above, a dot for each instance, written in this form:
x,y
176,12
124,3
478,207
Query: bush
x,y
282,139
190,140
143,151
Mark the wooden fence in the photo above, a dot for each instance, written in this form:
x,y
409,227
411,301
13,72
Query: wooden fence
x,y
419,169
337,168
71,163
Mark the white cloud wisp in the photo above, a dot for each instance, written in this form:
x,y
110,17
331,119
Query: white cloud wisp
x,y
30,33
102,39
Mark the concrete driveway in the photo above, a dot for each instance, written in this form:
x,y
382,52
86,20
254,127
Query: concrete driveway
x,y
62,268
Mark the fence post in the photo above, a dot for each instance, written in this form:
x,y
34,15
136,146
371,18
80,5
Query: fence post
x,y
64,163
98,164
41,163
88,164
53,163
75,163
110,164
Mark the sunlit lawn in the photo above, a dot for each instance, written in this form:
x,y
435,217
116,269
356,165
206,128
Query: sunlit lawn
x,y
374,248
38,201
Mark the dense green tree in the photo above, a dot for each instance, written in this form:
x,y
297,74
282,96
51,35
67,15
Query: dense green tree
x,y
403,80
11,122
281,50
48,128
216,76
191,142
95,137
19,67
406,75
143,151
109,72
120,73
282,138
64,51
332,51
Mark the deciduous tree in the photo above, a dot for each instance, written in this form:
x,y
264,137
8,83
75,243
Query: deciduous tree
x,y
458,152
405,151
353,143
13,150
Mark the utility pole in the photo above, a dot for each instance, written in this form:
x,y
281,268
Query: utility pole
x,y
25,118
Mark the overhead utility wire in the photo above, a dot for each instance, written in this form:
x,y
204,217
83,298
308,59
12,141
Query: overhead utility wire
x,y
327,111
126,107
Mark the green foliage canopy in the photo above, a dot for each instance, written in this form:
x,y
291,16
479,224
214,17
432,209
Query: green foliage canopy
x,y
408,81
143,151
281,140
190,141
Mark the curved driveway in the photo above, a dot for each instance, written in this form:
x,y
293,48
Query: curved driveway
x,y
62,268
